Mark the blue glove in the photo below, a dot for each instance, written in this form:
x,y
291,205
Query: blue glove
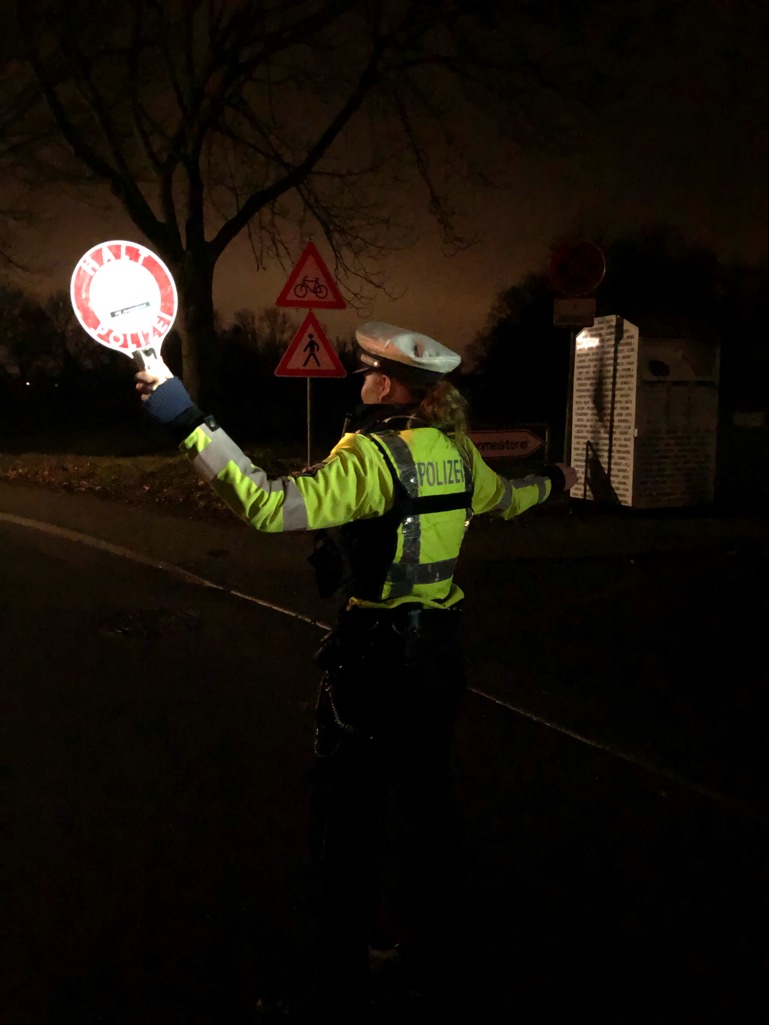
x,y
168,401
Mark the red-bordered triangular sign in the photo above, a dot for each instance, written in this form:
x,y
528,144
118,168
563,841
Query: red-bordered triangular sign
x,y
310,285
310,354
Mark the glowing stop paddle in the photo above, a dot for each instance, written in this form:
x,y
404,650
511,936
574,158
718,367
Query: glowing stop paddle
x,y
125,298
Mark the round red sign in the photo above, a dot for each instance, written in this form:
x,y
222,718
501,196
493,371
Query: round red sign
x,y
124,296
577,268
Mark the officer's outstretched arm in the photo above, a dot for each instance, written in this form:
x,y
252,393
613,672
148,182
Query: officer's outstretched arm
x,y
509,498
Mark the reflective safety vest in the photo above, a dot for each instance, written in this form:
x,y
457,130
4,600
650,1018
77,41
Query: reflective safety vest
x,y
400,496
410,553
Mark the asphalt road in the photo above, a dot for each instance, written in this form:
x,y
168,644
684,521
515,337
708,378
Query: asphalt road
x,y
611,771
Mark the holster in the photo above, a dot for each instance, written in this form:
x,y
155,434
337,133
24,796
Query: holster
x,y
356,685
329,655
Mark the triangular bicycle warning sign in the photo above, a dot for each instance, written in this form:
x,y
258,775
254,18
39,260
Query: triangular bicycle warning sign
x,y
310,286
310,354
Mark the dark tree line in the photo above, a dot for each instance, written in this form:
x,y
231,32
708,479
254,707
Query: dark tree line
x,y
53,377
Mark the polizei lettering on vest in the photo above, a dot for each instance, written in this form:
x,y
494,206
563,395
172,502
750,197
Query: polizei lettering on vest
x,y
436,475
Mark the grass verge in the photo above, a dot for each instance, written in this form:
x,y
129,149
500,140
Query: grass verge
x,y
163,480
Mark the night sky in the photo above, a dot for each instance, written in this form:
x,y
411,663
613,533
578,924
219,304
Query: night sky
x,y
684,144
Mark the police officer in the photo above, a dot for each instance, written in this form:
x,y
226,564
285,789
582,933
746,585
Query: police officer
x,y
390,506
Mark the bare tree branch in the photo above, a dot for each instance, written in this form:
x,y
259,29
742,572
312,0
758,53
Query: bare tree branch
x,y
270,117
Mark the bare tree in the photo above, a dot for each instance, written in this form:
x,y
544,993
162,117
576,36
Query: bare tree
x,y
281,118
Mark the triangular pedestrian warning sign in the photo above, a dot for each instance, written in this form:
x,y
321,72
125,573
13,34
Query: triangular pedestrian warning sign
x,y
310,285
310,354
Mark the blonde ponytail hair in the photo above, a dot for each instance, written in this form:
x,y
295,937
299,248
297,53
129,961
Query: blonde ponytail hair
x,y
444,407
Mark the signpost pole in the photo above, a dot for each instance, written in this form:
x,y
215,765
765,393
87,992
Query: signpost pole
x,y
309,421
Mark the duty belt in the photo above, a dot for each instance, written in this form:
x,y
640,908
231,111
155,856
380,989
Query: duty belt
x,y
410,620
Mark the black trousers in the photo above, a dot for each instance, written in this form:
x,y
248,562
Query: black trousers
x,y
385,835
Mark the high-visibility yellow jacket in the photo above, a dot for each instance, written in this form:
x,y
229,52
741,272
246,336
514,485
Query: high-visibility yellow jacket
x,y
409,490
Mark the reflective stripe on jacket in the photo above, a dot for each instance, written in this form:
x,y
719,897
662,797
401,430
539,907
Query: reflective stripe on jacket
x,y
356,482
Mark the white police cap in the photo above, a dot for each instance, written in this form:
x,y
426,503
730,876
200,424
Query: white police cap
x,y
403,353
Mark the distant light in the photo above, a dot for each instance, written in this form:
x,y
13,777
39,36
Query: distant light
x,y
28,383
588,341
